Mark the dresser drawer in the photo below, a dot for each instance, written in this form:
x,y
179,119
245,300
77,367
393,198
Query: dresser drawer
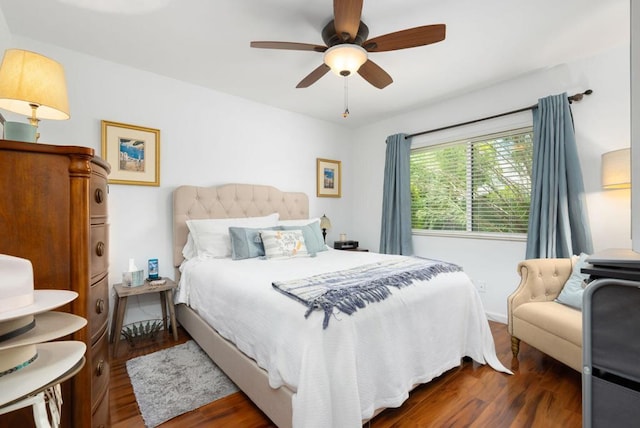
x,y
100,368
100,417
98,194
99,251
98,308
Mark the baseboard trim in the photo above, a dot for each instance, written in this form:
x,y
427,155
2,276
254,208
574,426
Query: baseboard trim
x,y
493,316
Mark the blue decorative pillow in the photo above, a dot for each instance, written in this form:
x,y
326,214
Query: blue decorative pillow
x,y
312,236
573,289
246,242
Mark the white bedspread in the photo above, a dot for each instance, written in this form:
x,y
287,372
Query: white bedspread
x,y
360,363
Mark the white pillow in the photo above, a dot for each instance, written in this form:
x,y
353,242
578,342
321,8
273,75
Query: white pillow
x,y
211,236
298,222
283,244
189,251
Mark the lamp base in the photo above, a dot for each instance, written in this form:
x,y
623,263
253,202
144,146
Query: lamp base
x,y
18,131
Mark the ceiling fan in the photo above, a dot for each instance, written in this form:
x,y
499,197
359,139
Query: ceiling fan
x,y
347,47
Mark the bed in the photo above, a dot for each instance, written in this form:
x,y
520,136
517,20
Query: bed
x,y
302,372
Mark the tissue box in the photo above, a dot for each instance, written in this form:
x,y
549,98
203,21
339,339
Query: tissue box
x,y
133,279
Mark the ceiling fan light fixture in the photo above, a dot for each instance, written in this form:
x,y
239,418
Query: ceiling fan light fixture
x,y
345,59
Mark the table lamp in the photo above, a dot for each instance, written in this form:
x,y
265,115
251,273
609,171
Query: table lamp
x,y
616,169
33,85
325,224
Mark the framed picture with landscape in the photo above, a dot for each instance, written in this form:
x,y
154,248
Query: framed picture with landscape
x,y
133,153
329,178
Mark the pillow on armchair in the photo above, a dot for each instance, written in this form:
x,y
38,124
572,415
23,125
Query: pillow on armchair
x,y
573,289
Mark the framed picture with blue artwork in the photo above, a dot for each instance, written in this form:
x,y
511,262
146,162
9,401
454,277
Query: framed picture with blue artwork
x,y
329,178
133,153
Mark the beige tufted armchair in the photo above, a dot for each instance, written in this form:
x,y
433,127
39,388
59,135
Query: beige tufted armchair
x,y
538,320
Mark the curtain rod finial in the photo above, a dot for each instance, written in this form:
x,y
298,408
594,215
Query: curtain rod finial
x,y
579,96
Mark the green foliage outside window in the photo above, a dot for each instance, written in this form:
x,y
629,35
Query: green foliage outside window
x,y
483,185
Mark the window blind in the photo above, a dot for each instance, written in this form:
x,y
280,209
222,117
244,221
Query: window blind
x,y
477,185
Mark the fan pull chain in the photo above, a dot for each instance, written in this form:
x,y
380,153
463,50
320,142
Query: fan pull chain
x,y
345,114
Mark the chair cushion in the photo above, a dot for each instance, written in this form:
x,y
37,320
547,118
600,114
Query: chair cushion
x,y
555,318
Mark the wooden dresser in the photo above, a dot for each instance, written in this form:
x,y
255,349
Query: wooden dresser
x,y
53,211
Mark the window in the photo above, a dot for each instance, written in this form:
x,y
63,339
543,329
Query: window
x,y
481,185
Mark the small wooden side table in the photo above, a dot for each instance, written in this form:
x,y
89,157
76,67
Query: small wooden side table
x,y
122,294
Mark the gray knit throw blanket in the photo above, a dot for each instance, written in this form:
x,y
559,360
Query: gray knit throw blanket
x,y
350,289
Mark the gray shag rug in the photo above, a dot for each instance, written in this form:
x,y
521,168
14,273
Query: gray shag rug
x,y
174,381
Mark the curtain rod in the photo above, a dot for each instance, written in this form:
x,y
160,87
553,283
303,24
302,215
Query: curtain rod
x,y
572,98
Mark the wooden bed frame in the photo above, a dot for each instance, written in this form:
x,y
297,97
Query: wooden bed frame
x,y
233,201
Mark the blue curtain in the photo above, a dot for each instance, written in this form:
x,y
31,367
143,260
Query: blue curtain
x,y
558,220
395,235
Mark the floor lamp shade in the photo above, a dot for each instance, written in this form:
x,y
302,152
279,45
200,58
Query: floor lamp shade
x,y
31,81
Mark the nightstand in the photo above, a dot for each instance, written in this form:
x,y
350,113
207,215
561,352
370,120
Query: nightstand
x,y
122,294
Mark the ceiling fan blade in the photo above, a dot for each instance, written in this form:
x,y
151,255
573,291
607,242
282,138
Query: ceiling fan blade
x,y
409,38
314,76
289,45
374,74
347,15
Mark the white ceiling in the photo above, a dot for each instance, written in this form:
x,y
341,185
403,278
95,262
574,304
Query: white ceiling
x,y
206,42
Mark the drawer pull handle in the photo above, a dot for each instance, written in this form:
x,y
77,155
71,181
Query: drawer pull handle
x,y
99,196
100,368
100,249
100,306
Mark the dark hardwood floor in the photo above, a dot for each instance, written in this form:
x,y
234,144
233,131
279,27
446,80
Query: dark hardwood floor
x,y
541,393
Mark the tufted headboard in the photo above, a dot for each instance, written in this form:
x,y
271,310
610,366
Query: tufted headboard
x,y
230,201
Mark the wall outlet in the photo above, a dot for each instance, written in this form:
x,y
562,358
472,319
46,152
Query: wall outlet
x,y
482,286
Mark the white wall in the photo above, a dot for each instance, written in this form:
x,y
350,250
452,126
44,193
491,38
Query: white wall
x,y
5,34
210,138
602,124
207,138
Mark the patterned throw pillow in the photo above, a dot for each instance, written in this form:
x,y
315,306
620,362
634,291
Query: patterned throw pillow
x,y
312,233
282,244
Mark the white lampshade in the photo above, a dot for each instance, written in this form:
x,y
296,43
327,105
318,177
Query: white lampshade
x,y
29,80
325,223
616,169
345,59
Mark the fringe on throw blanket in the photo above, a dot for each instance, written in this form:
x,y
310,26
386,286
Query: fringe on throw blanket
x,y
350,289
